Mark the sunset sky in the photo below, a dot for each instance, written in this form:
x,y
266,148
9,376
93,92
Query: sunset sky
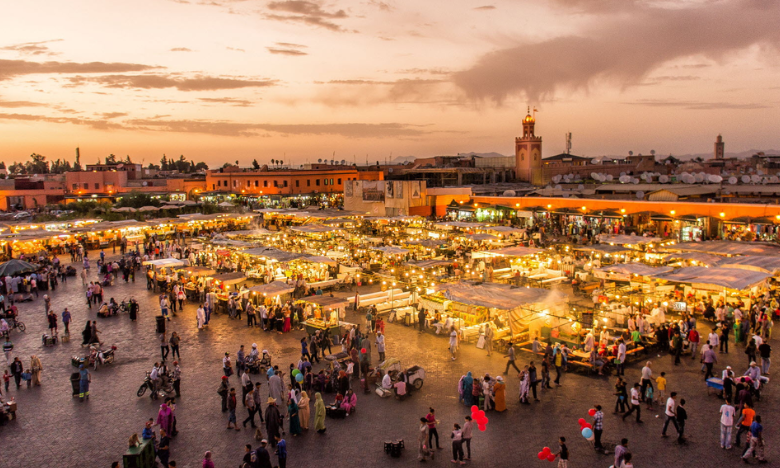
x,y
299,80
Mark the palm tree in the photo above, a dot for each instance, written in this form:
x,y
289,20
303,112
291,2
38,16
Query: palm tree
x,y
280,162
273,161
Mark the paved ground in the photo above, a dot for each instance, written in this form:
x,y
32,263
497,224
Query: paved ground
x,y
54,429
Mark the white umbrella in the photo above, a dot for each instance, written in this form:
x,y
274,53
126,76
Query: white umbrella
x,y
148,208
226,205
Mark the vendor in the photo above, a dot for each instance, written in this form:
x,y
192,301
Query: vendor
x,y
387,382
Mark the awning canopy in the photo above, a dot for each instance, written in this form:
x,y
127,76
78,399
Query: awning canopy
x,y
390,249
428,263
704,258
230,278
517,251
498,296
627,240
313,229
319,259
732,278
505,230
198,270
769,265
249,233
271,289
634,269
603,248
481,237
459,224
273,254
728,248
327,301
166,262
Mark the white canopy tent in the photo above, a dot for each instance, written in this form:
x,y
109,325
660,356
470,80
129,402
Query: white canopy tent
x,y
313,229
728,248
769,265
624,271
627,240
390,249
272,289
699,257
518,251
732,278
166,263
273,254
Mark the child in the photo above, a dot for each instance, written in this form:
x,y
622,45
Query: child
x,y
281,451
6,380
649,397
563,454
457,445
661,382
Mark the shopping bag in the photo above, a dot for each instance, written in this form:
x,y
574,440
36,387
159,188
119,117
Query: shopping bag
x,y
481,342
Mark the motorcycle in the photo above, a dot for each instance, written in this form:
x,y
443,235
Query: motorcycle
x,y
165,386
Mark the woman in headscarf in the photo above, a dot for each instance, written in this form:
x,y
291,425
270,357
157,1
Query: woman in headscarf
x,y
466,386
319,413
303,410
350,401
86,335
525,385
499,389
165,418
36,367
422,440
207,461
343,382
295,421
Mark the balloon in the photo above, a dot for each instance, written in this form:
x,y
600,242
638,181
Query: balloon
x,y
541,455
486,420
299,378
482,427
363,350
551,457
587,433
480,414
592,412
582,421
546,451
474,409
295,372
587,425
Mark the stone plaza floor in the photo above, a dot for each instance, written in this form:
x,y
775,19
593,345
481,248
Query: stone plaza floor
x,y
54,429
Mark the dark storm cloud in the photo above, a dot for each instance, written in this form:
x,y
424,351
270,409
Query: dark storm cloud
x,y
623,49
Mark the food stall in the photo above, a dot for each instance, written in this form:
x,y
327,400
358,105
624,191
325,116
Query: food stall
x,y
326,314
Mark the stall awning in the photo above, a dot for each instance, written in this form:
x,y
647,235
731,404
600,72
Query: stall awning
x,y
481,237
166,262
518,251
627,240
704,258
313,229
732,278
271,289
603,248
505,230
273,254
230,278
198,270
460,224
769,265
728,248
327,301
634,269
428,263
390,249
319,259
249,233
498,296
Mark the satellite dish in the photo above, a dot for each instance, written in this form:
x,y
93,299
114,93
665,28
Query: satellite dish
x,y
145,183
663,179
732,180
624,179
609,177
634,180
556,178
760,172
509,193
580,187
715,179
640,194
630,153
699,178
765,180
745,179
558,187
773,179
594,176
755,178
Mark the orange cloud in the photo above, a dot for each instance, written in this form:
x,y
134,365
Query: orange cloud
x,y
12,68
200,83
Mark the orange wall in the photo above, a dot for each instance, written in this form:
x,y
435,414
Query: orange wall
x,y
306,181
729,210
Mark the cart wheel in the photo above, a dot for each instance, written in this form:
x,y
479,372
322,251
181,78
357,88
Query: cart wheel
x,y
141,390
417,384
21,326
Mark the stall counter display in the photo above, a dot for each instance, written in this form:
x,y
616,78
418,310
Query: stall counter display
x,y
312,325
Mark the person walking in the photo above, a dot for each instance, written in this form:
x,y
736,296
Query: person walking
x,y
764,352
422,440
709,358
432,432
598,428
35,369
744,423
174,342
635,402
421,319
164,347
468,430
533,379
563,453
693,339
177,378
84,379
232,404
66,320
682,416
457,444
319,413
223,392
489,339
510,355
756,446
304,411
671,414
249,403
380,345
647,379
281,451
227,366
16,370
621,451
558,363
454,339
726,424
621,357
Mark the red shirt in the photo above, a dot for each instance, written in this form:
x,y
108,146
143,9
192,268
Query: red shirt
x,y
431,421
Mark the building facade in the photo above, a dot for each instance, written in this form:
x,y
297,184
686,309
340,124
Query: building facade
x,y
528,154
284,182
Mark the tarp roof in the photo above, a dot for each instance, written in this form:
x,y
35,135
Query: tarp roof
x,y
390,249
319,259
517,251
480,237
166,262
634,269
505,229
732,278
707,259
499,296
768,264
273,254
459,224
428,263
313,228
250,232
230,278
603,248
630,240
271,289
728,248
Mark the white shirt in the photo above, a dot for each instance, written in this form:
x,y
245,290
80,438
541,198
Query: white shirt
x,y
713,337
622,352
727,415
670,406
759,340
453,338
387,382
634,396
647,372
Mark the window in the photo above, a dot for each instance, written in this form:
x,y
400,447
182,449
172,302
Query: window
x,y
235,183
339,181
265,183
248,183
326,181
276,183
285,183
331,181
257,183
212,187
86,186
297,183
219,184
308,182
75,186
97,185
317,182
